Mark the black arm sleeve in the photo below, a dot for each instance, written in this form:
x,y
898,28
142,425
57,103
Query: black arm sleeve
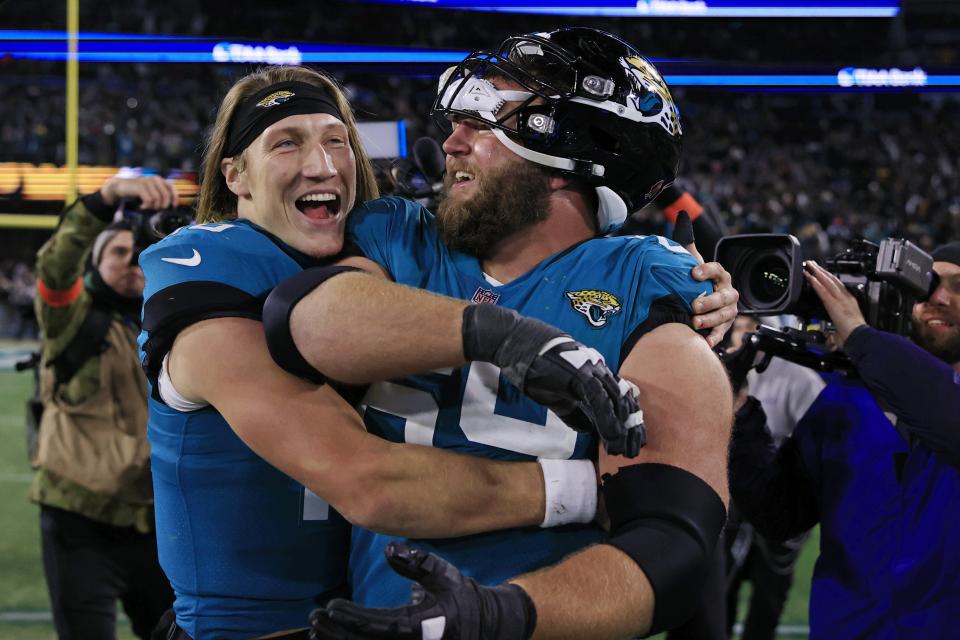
x,y
770,486
169,311
662,311
668,521
923,391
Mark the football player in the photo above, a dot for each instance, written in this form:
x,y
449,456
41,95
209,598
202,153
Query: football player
x,y
555,137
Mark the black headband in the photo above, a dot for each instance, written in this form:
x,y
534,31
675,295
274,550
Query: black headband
x,y
272,104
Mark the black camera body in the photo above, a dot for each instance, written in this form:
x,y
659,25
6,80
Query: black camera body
x,y
150,226
887,279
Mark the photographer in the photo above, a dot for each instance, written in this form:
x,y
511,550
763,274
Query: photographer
x,y
93,480
875,462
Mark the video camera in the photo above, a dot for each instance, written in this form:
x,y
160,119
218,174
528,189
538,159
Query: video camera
x,y
420,177
150,226
767,270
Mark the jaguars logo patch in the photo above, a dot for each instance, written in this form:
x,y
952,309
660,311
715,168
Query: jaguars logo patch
x,y
655,101
595,305
275,98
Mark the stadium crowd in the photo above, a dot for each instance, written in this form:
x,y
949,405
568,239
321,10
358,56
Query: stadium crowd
x,y
827,167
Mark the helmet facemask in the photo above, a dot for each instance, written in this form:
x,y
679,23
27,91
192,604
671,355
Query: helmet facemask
x,y
593,111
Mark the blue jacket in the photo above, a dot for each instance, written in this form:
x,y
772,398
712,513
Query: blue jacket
x,y
884,486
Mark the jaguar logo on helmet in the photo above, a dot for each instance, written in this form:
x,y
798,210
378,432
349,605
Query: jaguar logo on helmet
x,y
275,98
654,98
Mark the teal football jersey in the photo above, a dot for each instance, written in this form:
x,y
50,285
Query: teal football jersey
x,y
247,549
600,291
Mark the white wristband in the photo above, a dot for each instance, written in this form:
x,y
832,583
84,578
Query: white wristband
x,y
570,488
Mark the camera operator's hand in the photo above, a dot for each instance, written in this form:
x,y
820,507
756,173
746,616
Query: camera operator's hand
x,y
840,304
153,192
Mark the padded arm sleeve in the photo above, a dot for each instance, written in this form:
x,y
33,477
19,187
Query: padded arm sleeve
x,y
668,521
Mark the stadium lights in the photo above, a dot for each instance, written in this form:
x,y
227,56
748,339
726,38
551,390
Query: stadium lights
x,y
857,77
677,8
102,47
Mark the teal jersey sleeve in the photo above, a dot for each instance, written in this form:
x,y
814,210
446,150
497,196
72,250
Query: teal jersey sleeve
x,y
228,253
663,288
397,234
202,272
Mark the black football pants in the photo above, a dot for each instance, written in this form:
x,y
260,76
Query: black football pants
x,y
90,565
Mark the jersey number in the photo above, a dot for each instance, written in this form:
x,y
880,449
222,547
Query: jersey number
x,y
478,421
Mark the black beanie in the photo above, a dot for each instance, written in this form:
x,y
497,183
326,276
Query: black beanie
x,y
949,252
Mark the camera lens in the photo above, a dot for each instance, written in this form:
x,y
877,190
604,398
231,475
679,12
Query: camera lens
x,y
768,280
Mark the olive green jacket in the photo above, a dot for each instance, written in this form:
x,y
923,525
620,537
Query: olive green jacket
x,y
93,458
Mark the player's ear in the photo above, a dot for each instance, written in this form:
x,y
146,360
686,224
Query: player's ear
x,y
558,182
235,176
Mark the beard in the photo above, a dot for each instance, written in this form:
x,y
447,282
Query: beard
x,y
945,347
505,200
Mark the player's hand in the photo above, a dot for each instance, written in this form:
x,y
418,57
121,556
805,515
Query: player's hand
x,y
841,305
553,369
446,605
574,382
153,191
718,310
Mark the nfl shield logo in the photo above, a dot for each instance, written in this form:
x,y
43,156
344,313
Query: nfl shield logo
x,y
485,295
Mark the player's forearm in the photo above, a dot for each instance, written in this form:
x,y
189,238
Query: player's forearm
x,y
357,328
424,492
598,593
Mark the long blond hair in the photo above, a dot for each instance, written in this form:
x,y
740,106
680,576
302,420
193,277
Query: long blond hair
x,y
216,201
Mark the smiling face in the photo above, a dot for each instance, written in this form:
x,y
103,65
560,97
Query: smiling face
x,y
936,323
298,181
490,192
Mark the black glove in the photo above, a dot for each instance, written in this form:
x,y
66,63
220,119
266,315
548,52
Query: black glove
x,y
551,368
446,605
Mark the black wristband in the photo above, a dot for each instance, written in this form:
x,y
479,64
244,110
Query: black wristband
x,y
485,327
276,319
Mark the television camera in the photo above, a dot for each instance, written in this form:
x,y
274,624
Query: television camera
x,y
767,269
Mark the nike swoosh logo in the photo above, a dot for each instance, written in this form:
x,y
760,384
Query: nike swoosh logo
x,y
192,261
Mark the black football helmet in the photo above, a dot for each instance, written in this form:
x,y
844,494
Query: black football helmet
x,y
589,105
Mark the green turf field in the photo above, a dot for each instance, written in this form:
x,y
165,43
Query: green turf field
x,y
24,608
